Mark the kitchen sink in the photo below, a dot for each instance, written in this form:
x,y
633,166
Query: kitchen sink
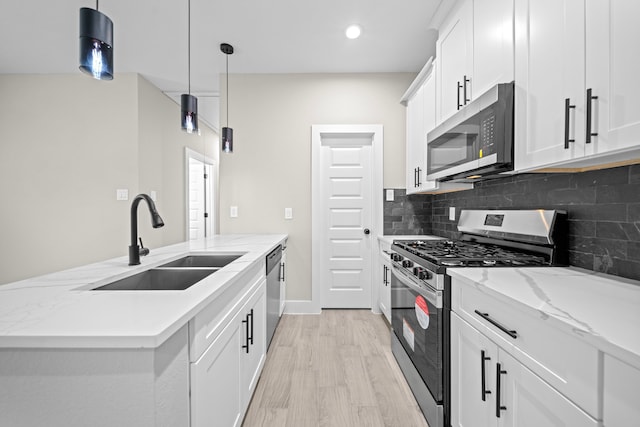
x,y
159,279
217,261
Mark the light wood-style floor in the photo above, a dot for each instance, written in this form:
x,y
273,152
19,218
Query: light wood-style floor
x,y
333,370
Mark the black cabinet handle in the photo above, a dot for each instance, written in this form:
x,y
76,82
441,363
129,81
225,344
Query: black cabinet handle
x,y
499,407
246,329
466,80
513,334
250,337
590,99
483,359
459,87
418,170
281,272
567,109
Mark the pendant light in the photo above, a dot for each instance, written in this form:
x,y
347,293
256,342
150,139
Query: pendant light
x,y
96,43
188,102
227,132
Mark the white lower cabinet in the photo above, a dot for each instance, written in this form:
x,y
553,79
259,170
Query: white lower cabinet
x,y
489,387
621,391
224,377
215,381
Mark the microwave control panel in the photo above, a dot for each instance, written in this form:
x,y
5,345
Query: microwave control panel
x,y
487,136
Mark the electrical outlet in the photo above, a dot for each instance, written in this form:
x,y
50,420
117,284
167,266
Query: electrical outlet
x,y
153,195
288,213
452,213
233,212
122,194
390,194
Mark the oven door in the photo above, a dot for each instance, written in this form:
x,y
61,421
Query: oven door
x,y
417,320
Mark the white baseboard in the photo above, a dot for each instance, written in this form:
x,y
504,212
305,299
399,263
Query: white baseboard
x,y
301,307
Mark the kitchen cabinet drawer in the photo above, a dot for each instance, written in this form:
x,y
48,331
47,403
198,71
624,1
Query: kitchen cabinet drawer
x,y
207,325
567,363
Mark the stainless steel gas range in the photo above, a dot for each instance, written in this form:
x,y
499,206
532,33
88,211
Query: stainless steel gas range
x,y
421,294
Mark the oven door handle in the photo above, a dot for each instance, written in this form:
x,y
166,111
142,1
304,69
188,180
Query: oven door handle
x,y
432,295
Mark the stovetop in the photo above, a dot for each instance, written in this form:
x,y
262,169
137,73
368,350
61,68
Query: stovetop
x,y
457,253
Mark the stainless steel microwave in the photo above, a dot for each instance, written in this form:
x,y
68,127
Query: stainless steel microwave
x,y
475,143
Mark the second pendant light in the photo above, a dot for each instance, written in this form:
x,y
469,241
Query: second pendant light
x,y
227,132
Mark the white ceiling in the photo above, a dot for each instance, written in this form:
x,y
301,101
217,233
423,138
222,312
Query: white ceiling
x,y
269,36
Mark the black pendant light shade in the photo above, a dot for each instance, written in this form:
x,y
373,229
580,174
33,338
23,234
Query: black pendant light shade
x,y
227,132
227,140
96,44
189,113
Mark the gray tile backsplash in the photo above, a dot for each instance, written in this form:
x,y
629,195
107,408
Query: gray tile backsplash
x,y
603,209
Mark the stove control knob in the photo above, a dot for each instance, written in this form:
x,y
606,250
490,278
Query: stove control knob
x,y
396,257
407,263
421,273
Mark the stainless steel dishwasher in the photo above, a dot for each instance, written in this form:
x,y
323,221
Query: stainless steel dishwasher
x,y
273,291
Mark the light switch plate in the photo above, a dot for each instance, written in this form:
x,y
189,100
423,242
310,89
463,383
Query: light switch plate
x,y
233,212
153,195
288,213
122,194
452,213
390,195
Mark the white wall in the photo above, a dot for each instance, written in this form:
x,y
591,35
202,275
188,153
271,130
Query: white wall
x,y
67,142
270,169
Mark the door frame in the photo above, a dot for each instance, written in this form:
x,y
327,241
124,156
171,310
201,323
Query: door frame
x,y
376,227
213,182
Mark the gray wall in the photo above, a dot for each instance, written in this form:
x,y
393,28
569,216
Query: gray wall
x,y
270,169
67,142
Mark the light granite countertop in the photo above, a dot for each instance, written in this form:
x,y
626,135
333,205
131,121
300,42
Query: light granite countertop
x,y
601,309
60,310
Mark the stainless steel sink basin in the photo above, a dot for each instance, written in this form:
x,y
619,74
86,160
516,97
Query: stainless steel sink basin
x,y
159,280
217,261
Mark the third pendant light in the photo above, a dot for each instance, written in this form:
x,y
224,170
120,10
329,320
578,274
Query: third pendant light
x,y
227,132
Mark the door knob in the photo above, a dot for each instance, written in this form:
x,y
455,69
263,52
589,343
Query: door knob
x,y
366,231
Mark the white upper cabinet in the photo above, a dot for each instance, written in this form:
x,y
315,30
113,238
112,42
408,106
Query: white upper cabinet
x,y
612,72
475,51
493,44
576,103
420,100
454,50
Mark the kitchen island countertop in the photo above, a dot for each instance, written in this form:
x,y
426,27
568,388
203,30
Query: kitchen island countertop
x,y
60,310
601,309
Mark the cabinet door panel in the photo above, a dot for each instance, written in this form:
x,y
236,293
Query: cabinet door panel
x,y
253,360
416,136
455,56
492,44
215,381
549,69
467,347
621,391
612,73
529,401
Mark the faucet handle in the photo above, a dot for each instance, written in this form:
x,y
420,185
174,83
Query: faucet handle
x,y
143,251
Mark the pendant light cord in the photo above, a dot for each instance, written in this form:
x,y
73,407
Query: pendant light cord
x,y
227,90
97,4
189,43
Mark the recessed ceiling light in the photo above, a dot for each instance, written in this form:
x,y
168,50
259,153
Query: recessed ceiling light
x,y
353,31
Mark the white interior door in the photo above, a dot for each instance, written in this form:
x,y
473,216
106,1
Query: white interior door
x,y
200,196
346,217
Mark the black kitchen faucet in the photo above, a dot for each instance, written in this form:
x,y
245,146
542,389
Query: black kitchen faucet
x,y
136,251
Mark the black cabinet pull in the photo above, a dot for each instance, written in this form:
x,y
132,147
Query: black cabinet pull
x,y
246,329
459,87
282,271
513,334
499,407
590,99
567,109
384,275
483,359
250,337
418,170
466,80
